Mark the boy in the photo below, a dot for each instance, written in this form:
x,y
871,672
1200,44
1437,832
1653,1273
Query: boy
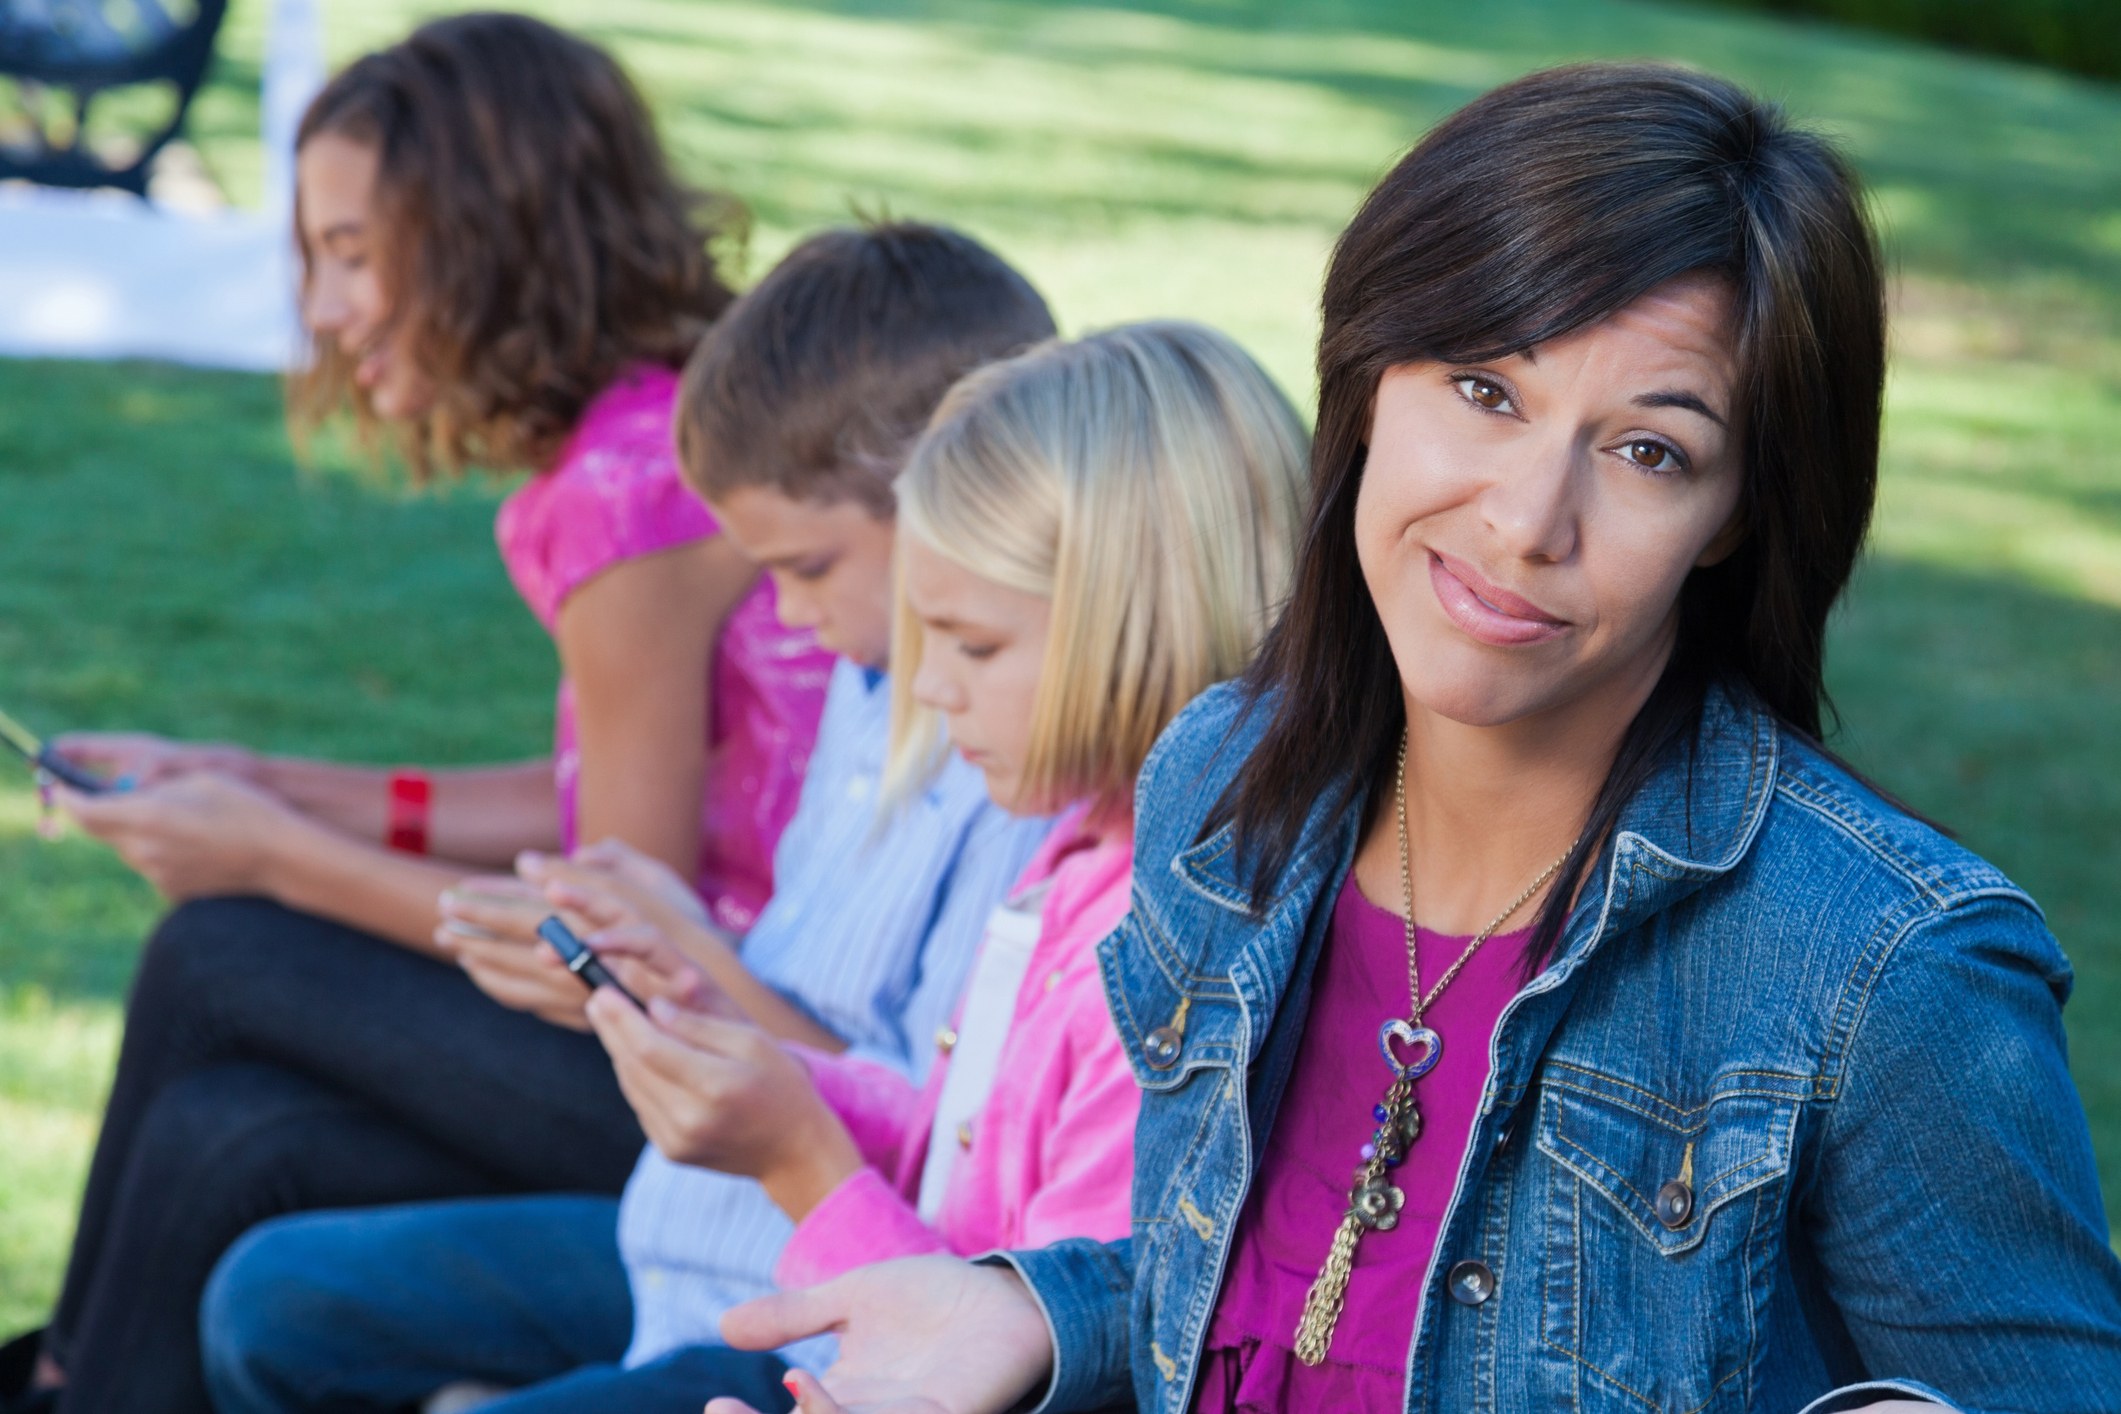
x,y
797,411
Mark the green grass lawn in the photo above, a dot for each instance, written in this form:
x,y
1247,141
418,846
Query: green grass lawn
x,y
164,565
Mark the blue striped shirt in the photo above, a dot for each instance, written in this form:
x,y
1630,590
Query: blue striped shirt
x,y
871,929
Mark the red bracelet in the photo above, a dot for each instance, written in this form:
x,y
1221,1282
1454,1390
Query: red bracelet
x,y
411,797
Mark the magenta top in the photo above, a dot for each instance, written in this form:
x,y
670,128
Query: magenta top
x,y
1311,1156
614,494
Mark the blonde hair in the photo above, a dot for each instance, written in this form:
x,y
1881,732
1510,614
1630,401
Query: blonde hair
x,y
1147,480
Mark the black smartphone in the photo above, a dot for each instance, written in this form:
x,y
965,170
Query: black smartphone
x,y
25,743
582,959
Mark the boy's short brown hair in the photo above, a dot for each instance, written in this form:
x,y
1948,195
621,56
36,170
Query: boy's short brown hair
x,y
817,382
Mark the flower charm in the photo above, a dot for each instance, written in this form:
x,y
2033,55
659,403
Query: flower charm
x,y
1377,1204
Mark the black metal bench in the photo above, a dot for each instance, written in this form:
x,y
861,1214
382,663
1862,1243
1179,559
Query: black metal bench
x,y
83,49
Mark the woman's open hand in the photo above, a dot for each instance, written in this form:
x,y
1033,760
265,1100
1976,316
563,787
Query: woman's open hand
x,y
724,1095
919,1335
191,835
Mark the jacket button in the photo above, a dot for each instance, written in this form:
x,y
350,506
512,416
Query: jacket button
x,y
1160,1048
1471,1283
964,1135
1675,1205
945,1040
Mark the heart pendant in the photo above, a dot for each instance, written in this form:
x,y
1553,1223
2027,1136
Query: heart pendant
x,y
1395,1035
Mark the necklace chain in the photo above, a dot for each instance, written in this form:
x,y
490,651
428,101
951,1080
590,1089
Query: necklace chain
x,y
1374,1201
1419,1002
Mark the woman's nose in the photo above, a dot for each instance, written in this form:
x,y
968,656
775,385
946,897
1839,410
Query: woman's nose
x,y
1531,505
324,307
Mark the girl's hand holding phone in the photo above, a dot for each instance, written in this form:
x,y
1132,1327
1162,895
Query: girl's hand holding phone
x,y
723,1095
610,882
494,908
191,835
649,965
632,905
489,926
145,759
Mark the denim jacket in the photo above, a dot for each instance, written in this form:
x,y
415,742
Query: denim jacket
x,y
1837,1032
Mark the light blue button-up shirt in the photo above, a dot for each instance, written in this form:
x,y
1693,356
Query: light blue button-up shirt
x,y
872,927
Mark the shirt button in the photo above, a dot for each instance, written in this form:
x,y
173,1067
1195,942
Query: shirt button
x,y
1471,1283
1053,979
1675,1205
1160,1048
964,1135
945,1040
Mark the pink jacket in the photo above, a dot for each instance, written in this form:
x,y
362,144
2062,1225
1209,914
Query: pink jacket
x,y
1052,1153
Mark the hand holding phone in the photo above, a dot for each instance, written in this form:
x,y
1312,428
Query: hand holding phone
x,y
494,908
581,959
26,744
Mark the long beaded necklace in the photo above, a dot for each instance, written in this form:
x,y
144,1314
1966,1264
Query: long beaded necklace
x,y
1411,1051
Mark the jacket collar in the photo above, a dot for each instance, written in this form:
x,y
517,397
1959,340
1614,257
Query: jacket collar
x,y
1692,821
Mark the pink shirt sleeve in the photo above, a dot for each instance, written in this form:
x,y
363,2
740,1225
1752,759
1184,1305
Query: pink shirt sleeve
x,y
1086,1153
1086,1167
592,527
614,494
865,1219
1053,1154
880,1107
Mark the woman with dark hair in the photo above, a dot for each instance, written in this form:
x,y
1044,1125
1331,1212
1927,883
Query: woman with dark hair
x,y
499,270
1531,1013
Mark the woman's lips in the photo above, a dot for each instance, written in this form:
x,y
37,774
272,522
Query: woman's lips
x,y
1485,613
368,369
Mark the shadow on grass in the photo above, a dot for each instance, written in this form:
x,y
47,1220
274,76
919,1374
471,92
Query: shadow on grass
x,y
1984,168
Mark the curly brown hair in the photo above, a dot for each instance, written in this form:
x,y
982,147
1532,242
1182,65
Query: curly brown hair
x,y
535,241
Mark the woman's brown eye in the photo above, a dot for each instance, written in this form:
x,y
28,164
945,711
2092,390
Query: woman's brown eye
x,y
1487,394
1649,454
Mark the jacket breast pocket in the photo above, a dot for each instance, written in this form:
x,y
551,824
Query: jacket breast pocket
x,y
1663,1228
1172,1020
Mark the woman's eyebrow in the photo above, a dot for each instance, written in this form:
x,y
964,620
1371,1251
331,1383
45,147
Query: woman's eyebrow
x,y
1677,398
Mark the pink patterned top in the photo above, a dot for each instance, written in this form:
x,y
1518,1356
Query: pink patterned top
x,y
1250,1365
614,494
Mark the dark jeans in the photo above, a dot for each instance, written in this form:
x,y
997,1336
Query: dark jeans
x,y
361,1313
273,1063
